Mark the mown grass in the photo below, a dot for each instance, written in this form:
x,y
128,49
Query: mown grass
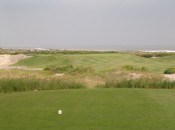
x,y
100,62
88,109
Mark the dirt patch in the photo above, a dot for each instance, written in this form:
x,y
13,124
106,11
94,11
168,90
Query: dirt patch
x,y
59,74
154,57
93,81
135,75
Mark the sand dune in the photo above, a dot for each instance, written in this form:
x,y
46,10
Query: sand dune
x,y
170,76
7,60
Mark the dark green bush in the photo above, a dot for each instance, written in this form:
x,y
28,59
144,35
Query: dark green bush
x,y
169,71
59,69
134,68
69,69
154,54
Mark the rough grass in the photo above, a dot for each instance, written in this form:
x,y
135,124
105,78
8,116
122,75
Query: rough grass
x,y
27,84
89,109
139,83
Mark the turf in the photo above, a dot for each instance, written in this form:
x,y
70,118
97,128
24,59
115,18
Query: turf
x,y
100,61
89,109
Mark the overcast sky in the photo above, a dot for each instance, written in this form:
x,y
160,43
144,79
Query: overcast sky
x,y
95,24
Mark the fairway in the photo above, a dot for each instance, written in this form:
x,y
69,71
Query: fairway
x,y
100,61
89,109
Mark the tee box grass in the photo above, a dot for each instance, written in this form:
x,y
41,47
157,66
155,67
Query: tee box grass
x,y
88,109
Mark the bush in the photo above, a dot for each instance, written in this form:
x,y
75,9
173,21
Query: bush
x,y
69,69
131,67
153,54
169,71
59,69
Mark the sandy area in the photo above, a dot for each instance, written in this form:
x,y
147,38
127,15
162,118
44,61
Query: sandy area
x,y
7,60
170,76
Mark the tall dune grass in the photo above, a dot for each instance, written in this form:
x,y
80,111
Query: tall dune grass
x,y
16,85
139,83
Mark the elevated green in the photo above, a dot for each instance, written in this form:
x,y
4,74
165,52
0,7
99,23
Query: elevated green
x,y
101,61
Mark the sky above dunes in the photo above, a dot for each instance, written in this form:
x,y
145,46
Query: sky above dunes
x,y
88,24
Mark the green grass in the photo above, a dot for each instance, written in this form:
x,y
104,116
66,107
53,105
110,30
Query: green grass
x,y
89,109
169,71
30,84
139,83
100,62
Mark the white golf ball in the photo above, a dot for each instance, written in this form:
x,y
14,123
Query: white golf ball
x,y
60,112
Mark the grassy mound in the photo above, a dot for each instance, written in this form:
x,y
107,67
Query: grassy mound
x,y
99,62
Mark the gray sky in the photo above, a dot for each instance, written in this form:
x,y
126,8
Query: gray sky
x,y
98,24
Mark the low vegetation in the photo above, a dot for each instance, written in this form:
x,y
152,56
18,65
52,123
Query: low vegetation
x,y
169,71
154,54
69,69
88,109
30,84
139,83
134,68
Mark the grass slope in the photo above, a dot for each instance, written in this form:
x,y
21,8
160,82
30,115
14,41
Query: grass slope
x,y
100,61
88,109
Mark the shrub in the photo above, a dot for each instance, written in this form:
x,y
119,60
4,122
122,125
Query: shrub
x,y
59,69
69,69
131,67
128,67
153,54
82,70
169,71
